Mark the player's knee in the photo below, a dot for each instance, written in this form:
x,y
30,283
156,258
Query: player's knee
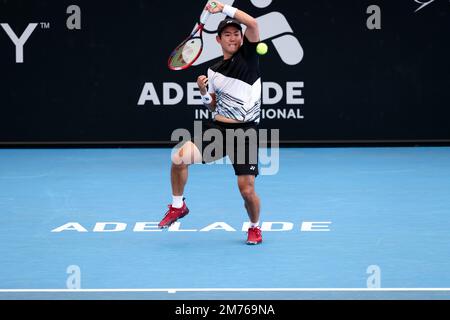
x,y
247,192
176,159
183,156
179,167
181,162
191,154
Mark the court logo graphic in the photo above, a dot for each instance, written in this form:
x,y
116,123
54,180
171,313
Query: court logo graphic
x,y
152,226
273,26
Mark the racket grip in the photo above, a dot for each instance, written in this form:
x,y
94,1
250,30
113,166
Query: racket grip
x,y
204,17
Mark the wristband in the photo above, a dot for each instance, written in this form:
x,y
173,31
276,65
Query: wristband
x,y
206,99
229,10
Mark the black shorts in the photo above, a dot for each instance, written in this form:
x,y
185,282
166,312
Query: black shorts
x,y
238,141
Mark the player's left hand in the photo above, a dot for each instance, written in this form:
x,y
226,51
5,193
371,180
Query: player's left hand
x,y
202,82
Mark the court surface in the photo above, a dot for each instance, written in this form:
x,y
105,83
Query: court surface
x,y
342,220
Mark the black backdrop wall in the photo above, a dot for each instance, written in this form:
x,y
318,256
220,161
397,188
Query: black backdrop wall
x,y
327,75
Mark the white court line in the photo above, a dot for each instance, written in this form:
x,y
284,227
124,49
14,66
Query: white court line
x,y
173,290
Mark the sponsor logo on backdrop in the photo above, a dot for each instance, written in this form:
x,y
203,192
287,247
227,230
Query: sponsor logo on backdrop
x,y
424,3
273,27
286,96
173,93
19,39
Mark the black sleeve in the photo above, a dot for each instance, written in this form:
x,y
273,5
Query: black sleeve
x,y
249,51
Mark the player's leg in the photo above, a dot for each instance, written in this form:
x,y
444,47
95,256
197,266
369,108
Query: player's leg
x,y
246,184
247,150
181,159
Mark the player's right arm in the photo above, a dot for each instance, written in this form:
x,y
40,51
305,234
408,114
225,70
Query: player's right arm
x,y
208,98
252,31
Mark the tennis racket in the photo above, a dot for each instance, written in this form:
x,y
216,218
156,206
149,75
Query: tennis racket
x,y
183,56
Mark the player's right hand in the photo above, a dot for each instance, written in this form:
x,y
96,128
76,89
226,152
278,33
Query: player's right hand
x,y
214,6
202,82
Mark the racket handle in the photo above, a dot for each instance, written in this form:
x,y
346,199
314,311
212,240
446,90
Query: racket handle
x,y
205,15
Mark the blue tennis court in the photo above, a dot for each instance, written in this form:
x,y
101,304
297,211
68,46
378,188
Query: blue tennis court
x,y
333,219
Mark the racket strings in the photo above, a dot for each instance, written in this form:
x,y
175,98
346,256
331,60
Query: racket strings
x,y
187,53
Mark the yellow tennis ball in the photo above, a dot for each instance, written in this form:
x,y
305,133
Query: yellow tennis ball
x,y
262,48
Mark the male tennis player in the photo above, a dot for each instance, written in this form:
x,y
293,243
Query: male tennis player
x,y
232,91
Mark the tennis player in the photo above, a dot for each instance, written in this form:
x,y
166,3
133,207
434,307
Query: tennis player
x,y
232,92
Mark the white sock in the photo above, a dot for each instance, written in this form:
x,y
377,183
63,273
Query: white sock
x,y
177,201
254,225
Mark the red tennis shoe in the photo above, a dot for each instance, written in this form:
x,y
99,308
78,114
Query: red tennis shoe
x,y
172,215
254,235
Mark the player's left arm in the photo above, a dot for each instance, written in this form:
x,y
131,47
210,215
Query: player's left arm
x,y
252,31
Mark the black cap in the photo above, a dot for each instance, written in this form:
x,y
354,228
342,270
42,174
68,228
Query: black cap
x,y
228,22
